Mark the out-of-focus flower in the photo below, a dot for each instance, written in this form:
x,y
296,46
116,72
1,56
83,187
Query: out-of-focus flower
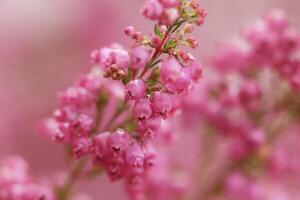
x,y
16,183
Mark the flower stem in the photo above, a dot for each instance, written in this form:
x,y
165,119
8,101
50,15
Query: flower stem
x,y
64,192
158,49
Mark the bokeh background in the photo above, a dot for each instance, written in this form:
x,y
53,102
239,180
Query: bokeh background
x,y
45,45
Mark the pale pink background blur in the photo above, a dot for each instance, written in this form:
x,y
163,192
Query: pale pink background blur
x,y
44,46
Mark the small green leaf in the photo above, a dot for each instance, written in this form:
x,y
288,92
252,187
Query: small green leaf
x,y
127,78
157,31
154,77
94,172
177,25
170,44
131,126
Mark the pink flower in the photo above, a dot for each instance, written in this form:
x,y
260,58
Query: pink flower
x,y
135,186
129,30
250,94
149,127
139,57
115,62
236,184
152,9
169,3
150,155
118,57
49,128
256,138
82,126
259,35
76,96
136,89
117,143
278,162
142,109
13,169
80,147
115,167
173,76
135,158
277,20
91,82
169,16
65,114
99,147
161,103
194,71
238,149
229,58
17,184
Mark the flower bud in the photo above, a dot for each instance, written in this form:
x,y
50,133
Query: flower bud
x,y
169,16
192,43
129,30
115,168
75,96
119,57
117,143
135,158
155,40
99,147
150,155
142,109
152,9
149,127
169,3
139,57
136,89
80,147
82,126
138,36
277,20
161,103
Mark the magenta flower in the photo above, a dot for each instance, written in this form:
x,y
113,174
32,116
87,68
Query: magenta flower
x,y
136,89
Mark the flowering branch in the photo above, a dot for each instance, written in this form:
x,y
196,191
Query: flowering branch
x,y
92,114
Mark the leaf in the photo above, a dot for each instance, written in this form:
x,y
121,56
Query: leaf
x,y
94,172
157,31
177,25
131,126
127,78
170,44
154,77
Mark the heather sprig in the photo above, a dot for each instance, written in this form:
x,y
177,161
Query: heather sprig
x,y
114,113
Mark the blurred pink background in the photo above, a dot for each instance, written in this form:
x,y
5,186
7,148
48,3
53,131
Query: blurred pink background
x,y
45,45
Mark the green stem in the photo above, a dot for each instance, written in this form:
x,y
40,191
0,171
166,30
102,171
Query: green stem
x,y
158,49
100,105
64,192
117,113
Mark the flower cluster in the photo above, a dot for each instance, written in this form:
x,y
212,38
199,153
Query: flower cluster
x,y
239,91
167,12
115,112
17,184
274,43
271,42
